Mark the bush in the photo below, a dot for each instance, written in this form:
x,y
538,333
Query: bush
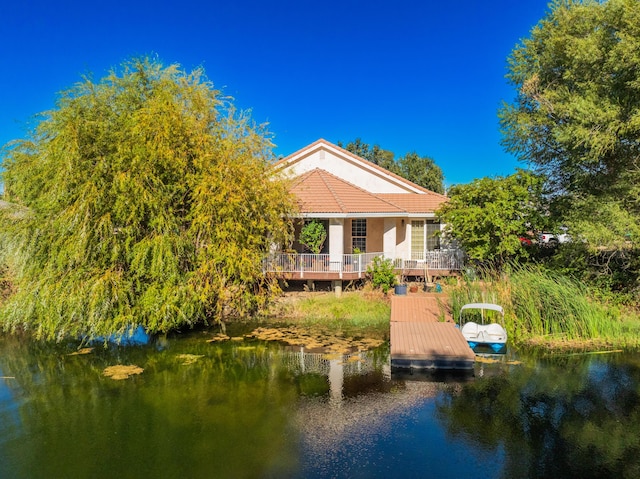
x,y
313,235
381,273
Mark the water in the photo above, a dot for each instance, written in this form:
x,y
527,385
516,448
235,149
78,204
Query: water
x,y
260,410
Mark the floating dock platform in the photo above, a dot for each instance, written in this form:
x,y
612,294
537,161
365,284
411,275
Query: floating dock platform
x,y
420,340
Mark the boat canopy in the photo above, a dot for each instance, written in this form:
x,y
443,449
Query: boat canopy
x,y
494,307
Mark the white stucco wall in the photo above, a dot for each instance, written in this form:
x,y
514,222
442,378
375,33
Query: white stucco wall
x,y
352,170
389,238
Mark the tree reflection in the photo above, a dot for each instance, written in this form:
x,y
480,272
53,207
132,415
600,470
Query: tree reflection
x,y
226,415
574,418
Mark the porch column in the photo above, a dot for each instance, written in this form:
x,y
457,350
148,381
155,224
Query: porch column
x,y
336,243
406,249
389,238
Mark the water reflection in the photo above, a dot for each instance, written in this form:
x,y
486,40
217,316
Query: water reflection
x,y
242,409
573,417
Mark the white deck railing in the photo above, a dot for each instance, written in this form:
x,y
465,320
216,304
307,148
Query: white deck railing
x,y
445,259
317,263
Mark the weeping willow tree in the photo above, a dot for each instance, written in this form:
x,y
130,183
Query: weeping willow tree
x,y
145,200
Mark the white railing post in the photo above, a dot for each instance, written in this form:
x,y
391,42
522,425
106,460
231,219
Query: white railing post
x,y
448,259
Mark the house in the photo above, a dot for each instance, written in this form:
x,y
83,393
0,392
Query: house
x,y
367,211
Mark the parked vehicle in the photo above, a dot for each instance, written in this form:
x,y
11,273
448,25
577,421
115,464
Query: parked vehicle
x,y
525,241
491,336
552,239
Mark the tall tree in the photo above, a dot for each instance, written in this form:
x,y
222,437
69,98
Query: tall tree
x,y
358,147
576,117
423,171
374,154
147,205
487,216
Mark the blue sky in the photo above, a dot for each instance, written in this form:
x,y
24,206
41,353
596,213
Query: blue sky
x,y
420,76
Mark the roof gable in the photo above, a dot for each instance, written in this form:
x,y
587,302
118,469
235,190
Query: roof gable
x,y
344,164
327,179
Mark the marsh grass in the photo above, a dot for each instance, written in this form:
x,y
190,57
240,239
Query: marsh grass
x,y
546,308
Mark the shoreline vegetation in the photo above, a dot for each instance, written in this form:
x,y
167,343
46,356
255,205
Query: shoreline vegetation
x,y
364,313
545,312
549,312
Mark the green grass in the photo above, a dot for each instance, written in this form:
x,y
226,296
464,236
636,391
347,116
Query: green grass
x,y
356,314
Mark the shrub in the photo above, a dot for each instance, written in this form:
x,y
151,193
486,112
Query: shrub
x,y
313,235
381,273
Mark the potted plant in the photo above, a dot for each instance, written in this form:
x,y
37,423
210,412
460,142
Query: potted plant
x,y
400,287
313,235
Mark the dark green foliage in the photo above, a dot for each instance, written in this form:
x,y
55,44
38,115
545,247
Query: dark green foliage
x,y
313,235
374,154
488,215
149,203
576,119
578,82
423,171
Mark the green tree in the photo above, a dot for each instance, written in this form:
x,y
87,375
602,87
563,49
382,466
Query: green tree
x,y
487,216
576,117
422,171
374,154
149,203
357,147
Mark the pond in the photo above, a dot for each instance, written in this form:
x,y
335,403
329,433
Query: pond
x,y
238,409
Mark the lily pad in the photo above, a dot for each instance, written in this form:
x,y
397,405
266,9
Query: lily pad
x,y
120,371
218,338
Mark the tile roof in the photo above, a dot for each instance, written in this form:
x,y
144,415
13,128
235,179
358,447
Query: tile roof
x,y
415,203
324,144
318,191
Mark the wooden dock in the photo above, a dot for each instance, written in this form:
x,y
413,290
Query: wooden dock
x,y
420,340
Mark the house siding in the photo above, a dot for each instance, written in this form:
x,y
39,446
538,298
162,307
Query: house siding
x,y
375,233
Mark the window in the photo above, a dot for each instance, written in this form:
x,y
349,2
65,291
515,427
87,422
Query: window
x,y
433,240
359,234
423,236
417,239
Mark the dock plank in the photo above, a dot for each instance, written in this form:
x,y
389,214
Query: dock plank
x,y
420,308
419,340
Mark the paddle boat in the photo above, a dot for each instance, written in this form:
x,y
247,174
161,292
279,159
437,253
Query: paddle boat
x,y
480,336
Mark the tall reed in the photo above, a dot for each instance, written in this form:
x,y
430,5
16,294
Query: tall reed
x,y
541,304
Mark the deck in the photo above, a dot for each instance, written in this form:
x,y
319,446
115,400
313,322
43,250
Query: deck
x,y
302,266
419,340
